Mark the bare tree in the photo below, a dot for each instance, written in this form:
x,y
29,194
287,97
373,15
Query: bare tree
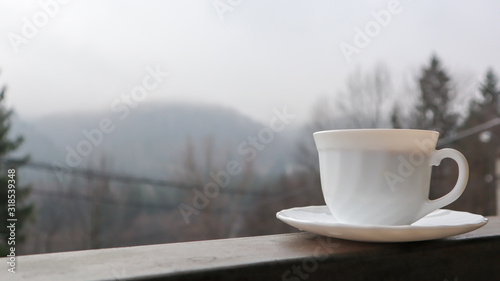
x,y
367,99
98,190
323,118
218,219
366,103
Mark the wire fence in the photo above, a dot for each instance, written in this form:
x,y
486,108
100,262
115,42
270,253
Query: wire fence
x,y
123,178
265,197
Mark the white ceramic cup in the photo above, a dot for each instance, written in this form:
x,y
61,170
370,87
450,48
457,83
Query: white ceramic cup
x,y
382,176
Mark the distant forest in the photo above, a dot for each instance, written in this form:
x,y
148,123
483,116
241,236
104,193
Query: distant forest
x,y
181,172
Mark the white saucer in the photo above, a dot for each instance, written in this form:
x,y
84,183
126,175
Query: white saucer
x,y
438,224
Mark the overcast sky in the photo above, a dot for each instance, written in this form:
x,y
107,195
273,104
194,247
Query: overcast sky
x,y
254,56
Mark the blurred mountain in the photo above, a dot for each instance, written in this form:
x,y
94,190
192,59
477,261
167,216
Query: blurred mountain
x,y
36,143
153,140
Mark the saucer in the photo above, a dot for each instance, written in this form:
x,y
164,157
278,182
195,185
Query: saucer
x,y
438,224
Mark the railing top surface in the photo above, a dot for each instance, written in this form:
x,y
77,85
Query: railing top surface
x,y
181,259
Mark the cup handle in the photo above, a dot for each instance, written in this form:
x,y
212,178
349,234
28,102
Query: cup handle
x,y
463,176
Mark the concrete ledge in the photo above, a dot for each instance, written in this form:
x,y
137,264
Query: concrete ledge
x,y
296,256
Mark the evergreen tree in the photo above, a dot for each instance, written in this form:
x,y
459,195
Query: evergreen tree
x,y
396,117
433,109
489,106
22,211
481,152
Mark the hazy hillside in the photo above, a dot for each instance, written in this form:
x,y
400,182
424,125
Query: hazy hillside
x,y
37,143
152,140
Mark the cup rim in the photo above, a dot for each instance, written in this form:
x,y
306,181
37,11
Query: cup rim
x,y
378,130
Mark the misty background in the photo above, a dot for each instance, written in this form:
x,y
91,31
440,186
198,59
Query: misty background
x,y
261,55
231,65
